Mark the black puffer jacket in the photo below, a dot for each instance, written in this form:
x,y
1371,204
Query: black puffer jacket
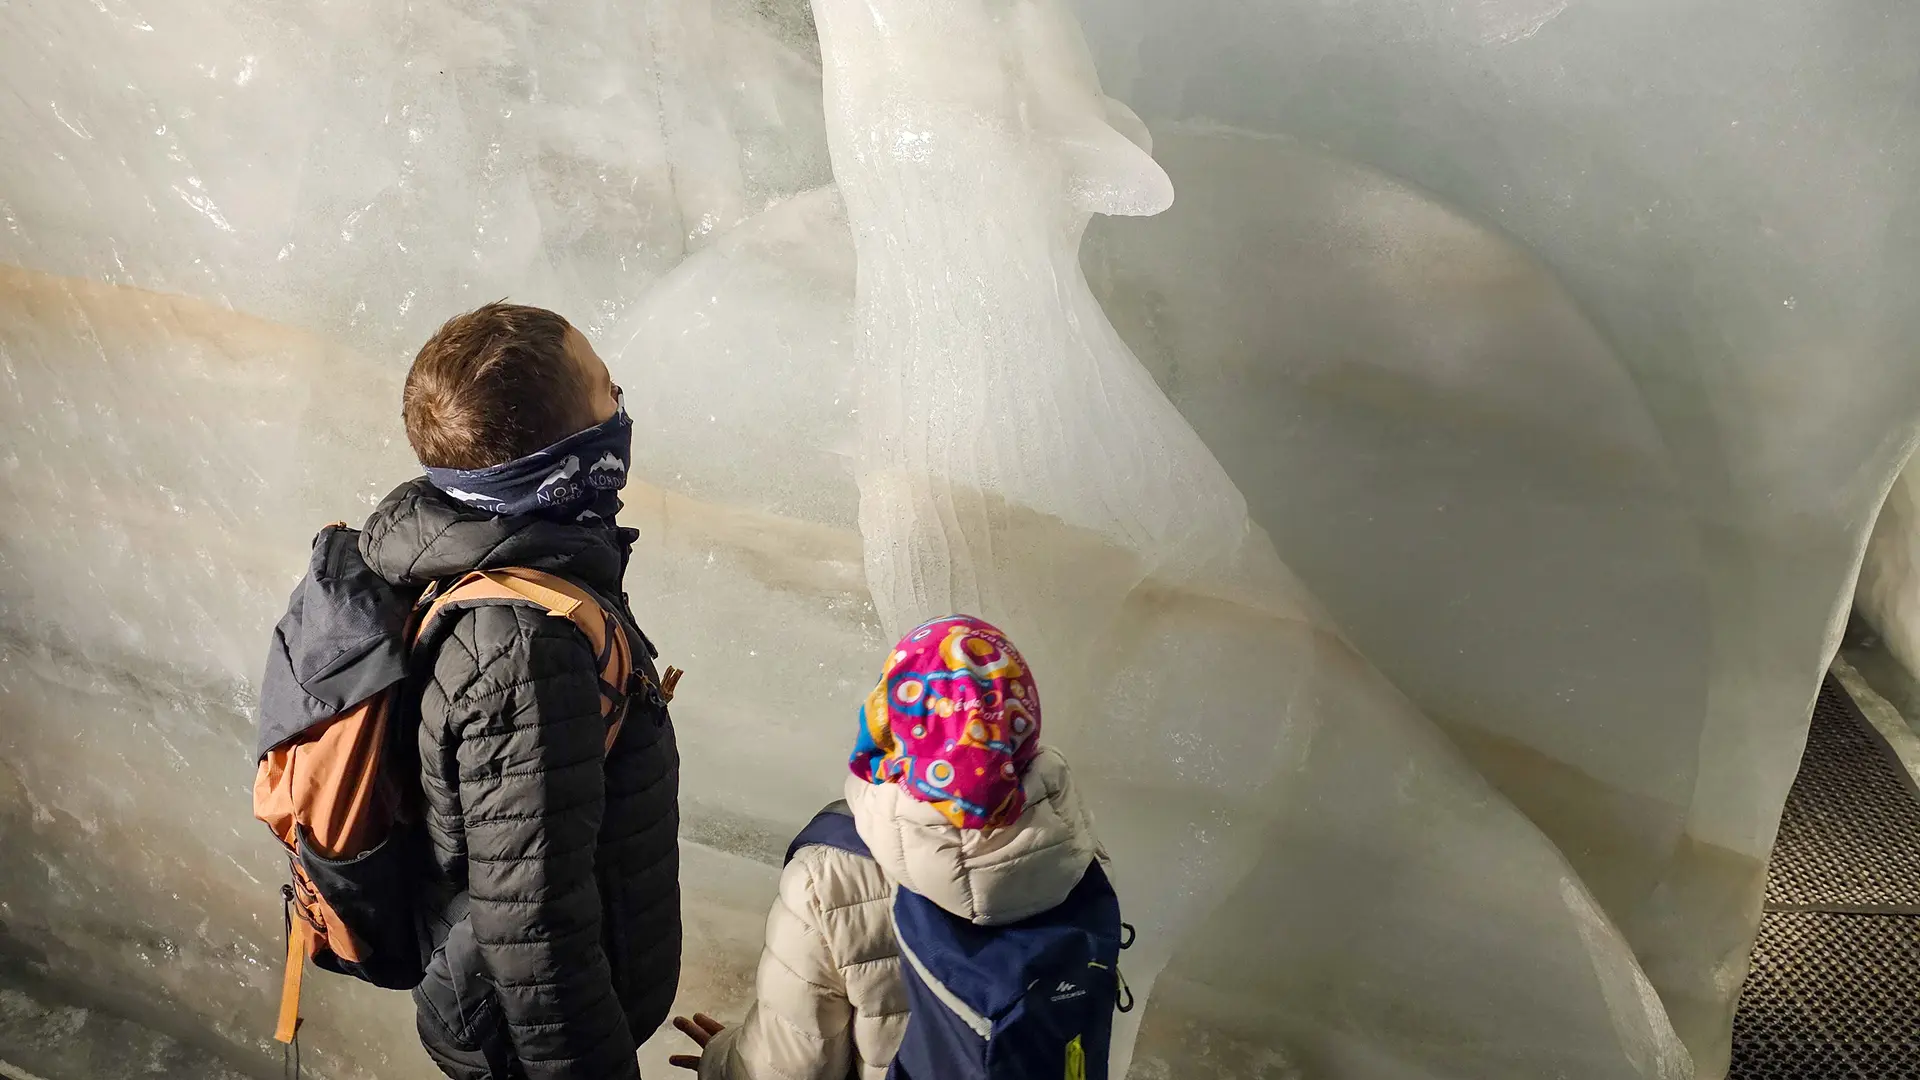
x,y
559,860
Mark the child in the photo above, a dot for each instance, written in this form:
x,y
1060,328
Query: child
x,y
956,801
551,894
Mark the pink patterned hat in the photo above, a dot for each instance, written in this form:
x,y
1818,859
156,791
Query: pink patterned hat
x,y
954,720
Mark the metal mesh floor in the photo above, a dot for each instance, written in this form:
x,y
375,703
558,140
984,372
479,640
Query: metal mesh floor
x,y
1834,989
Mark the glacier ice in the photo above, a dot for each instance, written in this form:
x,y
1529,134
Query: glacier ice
x,y
1430,527
1888,593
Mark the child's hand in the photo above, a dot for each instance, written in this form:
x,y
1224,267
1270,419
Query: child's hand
x,y
701,1029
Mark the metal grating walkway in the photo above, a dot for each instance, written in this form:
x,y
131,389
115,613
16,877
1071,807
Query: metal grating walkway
x,y
1834,989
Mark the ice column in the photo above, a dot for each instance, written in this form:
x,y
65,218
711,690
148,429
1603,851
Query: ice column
x,y
1016,461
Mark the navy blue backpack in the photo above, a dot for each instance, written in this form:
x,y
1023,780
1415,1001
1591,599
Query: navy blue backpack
x,y
1032,1000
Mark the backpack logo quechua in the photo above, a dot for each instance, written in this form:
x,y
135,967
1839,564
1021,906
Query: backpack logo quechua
x,y
338,780
1031,1000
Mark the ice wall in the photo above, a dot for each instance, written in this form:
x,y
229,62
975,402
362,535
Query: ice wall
x,y
1461,458
1559,348
225,229
1888,594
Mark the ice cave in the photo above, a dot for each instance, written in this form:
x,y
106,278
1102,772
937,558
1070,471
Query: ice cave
x,y
1447,439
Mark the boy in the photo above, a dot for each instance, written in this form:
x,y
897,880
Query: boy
x,y
554,889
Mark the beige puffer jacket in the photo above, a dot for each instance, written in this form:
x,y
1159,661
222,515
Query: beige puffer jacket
x,y
829,1000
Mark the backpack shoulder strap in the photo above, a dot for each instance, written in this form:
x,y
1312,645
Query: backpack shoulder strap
x,y
562,599
832,827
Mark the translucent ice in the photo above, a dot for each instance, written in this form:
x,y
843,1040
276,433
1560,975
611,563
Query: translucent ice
x,y
1594,503
1016,458
1429,529
1888,595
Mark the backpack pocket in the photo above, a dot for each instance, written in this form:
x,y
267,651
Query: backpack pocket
x,y
1032,1000
1063,1025
373,931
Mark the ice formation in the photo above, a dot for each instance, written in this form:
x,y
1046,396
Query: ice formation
x,y
1888,595
1429,529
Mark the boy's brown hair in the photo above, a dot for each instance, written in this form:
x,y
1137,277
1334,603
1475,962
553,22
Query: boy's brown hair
x,y
493,385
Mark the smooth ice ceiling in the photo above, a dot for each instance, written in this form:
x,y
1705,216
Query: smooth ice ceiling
x,y
1429,530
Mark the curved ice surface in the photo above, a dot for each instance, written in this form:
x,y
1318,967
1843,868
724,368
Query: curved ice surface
x,y
1560,350
1888,594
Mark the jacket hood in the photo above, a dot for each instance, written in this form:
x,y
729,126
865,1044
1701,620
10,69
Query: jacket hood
x,y
420,534
339,643
986,877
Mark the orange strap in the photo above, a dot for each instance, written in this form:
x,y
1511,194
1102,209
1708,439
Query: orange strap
x,y
289,1025
563,600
